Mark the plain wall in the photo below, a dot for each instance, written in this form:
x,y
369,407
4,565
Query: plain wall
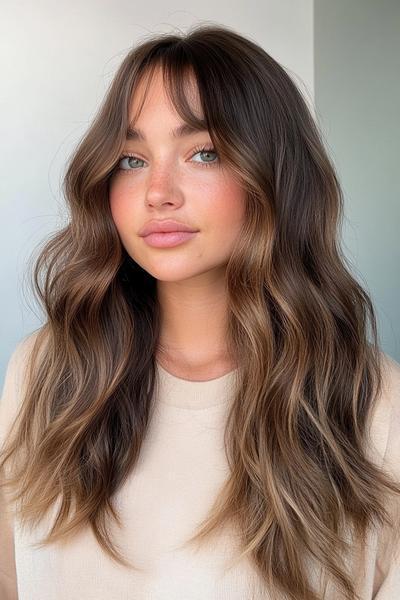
x,y
57,60
357,98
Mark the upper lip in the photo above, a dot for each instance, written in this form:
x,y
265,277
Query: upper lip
x,y
164,226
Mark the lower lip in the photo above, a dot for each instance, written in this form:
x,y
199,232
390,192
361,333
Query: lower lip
x,y
168,240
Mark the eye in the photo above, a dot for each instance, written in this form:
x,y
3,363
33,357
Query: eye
x,y
132,160
204,150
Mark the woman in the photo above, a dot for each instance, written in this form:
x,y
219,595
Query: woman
x,y
202,413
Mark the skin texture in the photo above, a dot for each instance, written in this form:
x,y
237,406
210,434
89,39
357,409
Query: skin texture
x,y
168,179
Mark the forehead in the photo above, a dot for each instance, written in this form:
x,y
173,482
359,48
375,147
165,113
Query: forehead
x,y
151,92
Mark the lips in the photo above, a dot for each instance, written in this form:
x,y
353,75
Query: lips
x,y
168,240
165,226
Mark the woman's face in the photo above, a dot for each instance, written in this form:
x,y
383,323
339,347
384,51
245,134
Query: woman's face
x,y
169,178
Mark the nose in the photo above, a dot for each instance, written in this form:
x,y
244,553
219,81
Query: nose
x,y
162,187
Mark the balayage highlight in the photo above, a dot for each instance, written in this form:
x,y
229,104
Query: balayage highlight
x,y
296,436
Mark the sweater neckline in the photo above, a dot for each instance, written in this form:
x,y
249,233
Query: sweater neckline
x,y
189,394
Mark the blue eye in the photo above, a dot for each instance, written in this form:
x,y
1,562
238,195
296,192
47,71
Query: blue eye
x,y
132,160
204,150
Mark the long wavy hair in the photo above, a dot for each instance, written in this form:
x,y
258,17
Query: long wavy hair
x,y
301,329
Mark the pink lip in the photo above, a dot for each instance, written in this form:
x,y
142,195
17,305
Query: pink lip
x,y
164,226
168,240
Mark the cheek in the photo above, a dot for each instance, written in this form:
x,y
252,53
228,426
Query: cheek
x,y
120,208
229,209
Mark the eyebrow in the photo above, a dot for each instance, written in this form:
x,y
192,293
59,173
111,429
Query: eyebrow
x,y
181,131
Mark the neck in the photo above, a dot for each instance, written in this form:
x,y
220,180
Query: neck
x,y
193,322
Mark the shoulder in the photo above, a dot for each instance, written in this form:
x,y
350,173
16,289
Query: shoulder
x,y
385,421
14,379
391,404
20,356
391,378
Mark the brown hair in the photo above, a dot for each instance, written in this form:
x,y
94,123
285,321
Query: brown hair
x,y
309,377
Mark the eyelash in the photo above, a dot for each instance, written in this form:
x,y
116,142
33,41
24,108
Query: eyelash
x,y
195,151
